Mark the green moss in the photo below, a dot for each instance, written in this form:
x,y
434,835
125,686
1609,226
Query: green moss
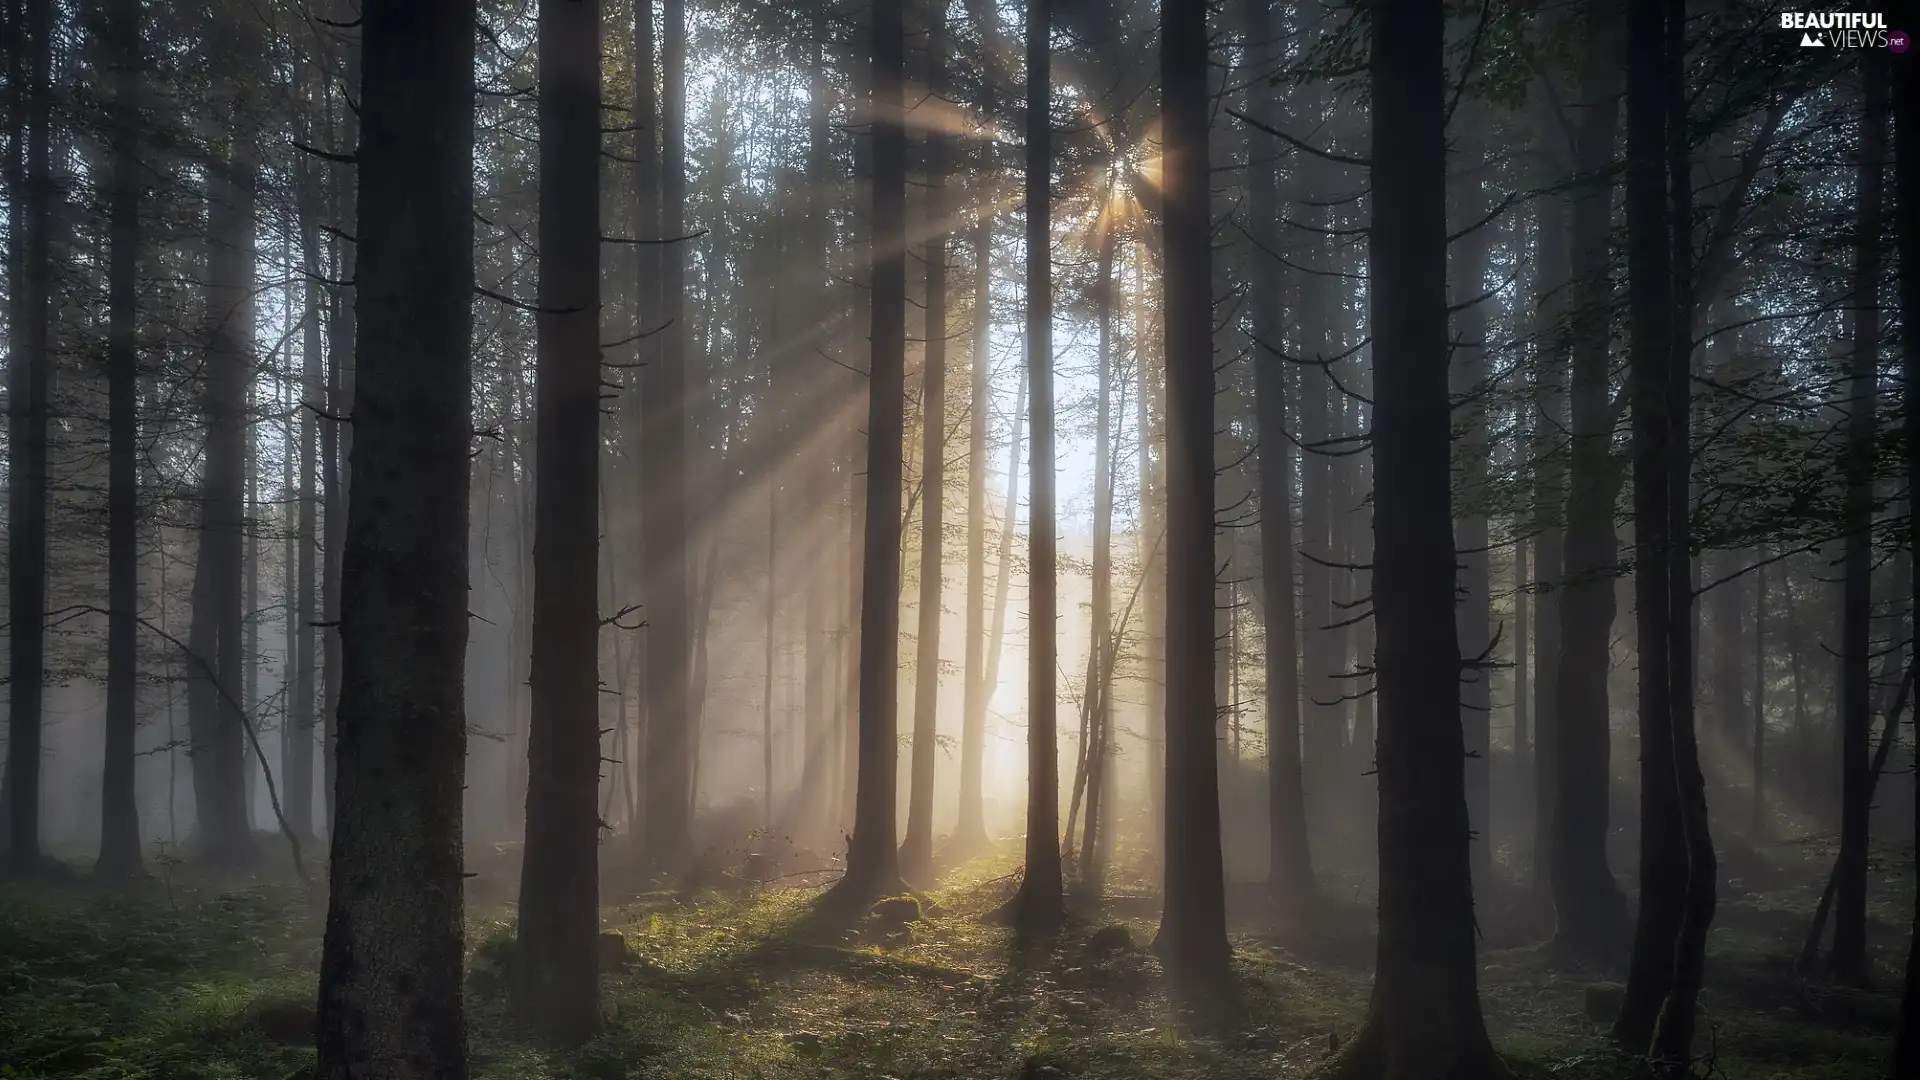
x,y
201,984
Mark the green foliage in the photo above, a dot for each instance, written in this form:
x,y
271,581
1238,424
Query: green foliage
x,y
221,985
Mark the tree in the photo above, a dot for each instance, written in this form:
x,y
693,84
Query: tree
x,y
1676,855
916,854
1588,905
970,833
390,971
215,694
1039,906
558,969
1849,959
119,812
1424,1015
29,369
1290,881
873,867
1192,941
669,633
1906,186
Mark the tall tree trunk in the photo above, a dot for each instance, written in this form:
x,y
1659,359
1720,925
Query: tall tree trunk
x,y
970,833
1038,907
30,371
670,725
336,437
559,978
218,577
817,765
1672,1045
1100,645
1424,1017
1192,940
299,781
119,811
657,457
1657,1014
1906,185
1290,880
395,885
1473,615
1150,411
1849,959
873,866
916,855
1650,310
1588,905
1757,746
1550,495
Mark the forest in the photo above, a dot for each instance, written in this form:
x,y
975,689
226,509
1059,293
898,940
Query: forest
x,y
933,539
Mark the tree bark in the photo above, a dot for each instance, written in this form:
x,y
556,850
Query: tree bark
x,y
1038,908
119,811
1906,182
1424,1017
1473,615
1100,645
873,867
670,726
225,832
1290,878
1192,940
556,964
336,438
970,834
1849,959
1588,905
390,1003
916,855
1550,494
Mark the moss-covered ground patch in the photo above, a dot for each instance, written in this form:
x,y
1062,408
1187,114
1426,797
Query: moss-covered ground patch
x,y
198,981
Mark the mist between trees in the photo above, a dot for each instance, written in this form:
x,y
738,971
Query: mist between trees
x,y
1428,476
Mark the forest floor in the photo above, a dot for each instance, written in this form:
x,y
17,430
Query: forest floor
x,y
189,980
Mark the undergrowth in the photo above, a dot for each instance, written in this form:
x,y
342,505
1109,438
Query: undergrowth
x,y
199,982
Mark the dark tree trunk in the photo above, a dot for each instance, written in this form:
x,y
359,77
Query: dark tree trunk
x,y
872,857
1672,1045
336,439
559,979
216,639
1192,941
1650,343
119,812
970,833
1100,638
1588,905
1906,183
1473,615
655,456
30,369
1849,959
1757,746
817,766
1676,855
1290,879
669,788
1038,907
299,737
1424,1017
1550,501
390,974
916,854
